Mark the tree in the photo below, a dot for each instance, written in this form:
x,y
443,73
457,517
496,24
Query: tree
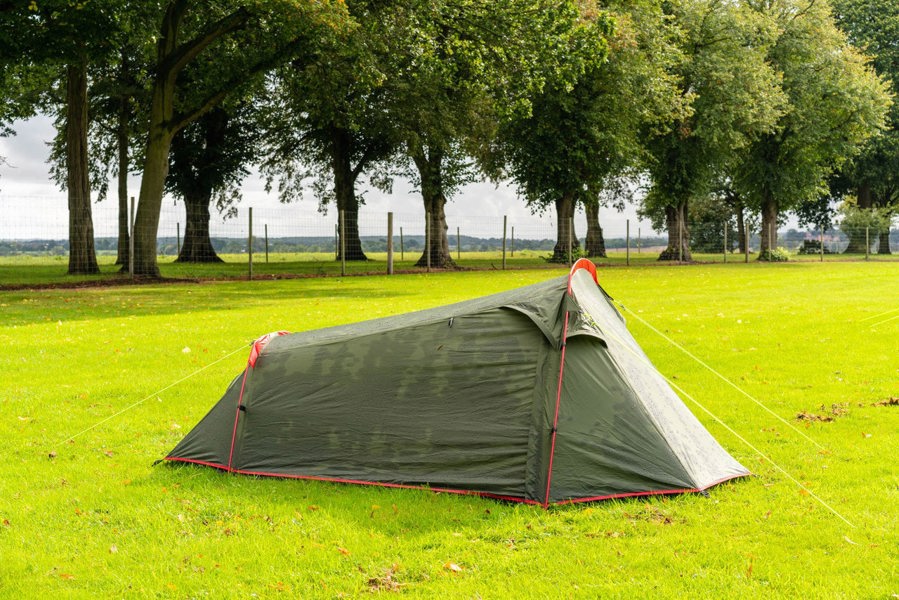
x,y
583,133
219,48
873,26
732,96
116,94
835,103
862,223
208,160
324,122
63,39
459,69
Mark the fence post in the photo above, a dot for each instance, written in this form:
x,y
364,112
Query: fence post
x,y
428,239
402,249
390,243
639,243
250,245
458,244
178,237
266,243
342,219
680,239
512,246
867,242
725,242
627,243
570,234
131,243
746,242
337,239
821,243
505,223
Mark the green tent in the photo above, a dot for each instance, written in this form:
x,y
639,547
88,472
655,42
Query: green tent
x,y
537,395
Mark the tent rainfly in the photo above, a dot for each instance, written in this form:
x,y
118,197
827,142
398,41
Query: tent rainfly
x,y
537,395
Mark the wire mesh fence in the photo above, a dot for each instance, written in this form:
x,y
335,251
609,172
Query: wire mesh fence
x,y
292,239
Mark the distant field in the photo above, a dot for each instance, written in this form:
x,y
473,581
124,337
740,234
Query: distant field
x,y
92,517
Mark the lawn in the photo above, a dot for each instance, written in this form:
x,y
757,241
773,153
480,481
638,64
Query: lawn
x,y
28,269
92,517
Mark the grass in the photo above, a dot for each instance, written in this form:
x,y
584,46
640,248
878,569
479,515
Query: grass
x,y
92,517
24,270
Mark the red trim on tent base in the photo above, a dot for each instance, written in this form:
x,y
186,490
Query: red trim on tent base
x,y
649,493
407,486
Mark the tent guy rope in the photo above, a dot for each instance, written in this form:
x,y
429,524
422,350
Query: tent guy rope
x,y
725,425
722,377
156,393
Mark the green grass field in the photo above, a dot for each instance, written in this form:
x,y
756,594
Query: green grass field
x,y
24,270
91,517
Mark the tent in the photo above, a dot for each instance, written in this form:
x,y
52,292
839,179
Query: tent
x,y
537,395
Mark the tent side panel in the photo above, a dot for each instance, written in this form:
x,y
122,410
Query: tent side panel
x,y
210,441
446,404
607,445
543,406
699,453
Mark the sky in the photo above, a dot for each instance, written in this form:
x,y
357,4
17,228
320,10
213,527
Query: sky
x,y
32,206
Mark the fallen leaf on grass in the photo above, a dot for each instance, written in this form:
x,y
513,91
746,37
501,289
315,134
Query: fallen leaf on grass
x,y
6,522
888,402
113,549
343,551
312,507
451,566
846,537
51,455
67,576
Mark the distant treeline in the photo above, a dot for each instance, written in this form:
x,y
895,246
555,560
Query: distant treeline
x,y
411,243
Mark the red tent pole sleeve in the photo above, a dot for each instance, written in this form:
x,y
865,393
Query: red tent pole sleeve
x,y
552,449
255,351
237,416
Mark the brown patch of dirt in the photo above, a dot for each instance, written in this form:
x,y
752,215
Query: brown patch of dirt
x,y
386,582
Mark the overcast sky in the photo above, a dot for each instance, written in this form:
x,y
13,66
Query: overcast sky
x,y
32,206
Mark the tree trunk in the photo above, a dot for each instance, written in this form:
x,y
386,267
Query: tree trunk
x,y
152,186
595,243
430,169
857,236
883,246
82,255
769,227
197,246
883,238
345,192
122,140
678,234
741,229
564,229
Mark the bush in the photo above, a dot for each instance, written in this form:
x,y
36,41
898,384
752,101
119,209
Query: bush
x,y
777,255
